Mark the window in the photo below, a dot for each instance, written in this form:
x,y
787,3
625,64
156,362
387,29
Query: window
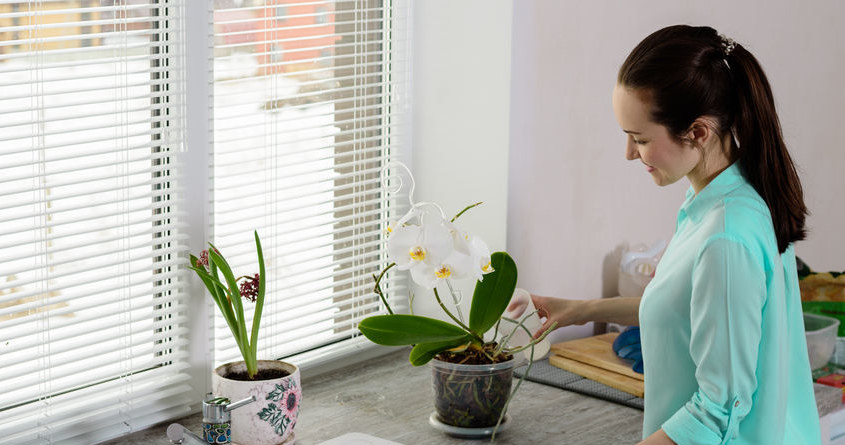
x,y
94,316
91,312
299,146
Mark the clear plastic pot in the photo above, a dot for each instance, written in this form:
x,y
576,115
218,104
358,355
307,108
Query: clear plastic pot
x,y
471,396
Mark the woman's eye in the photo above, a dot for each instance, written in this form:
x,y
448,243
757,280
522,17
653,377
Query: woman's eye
x,y
639,142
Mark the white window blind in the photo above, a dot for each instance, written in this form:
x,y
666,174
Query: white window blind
x,y
92,335
308,110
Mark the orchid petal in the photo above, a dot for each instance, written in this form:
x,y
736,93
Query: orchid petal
x,y
437,240
400,243
424,275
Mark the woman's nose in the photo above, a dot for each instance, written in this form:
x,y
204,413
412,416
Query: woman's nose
x,y
631,151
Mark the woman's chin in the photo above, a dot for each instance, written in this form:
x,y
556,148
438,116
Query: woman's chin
x,y
661,180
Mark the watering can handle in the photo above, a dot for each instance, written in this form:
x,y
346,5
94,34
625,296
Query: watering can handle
x,y
240,403
632,260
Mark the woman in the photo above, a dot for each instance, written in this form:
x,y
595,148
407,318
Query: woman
x,y
721,323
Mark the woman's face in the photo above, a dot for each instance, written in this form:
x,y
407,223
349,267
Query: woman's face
x,y
665,158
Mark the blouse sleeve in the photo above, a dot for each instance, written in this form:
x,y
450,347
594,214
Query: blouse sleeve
x,y
728,294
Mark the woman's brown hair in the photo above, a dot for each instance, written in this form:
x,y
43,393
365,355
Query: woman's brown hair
x,y
692,72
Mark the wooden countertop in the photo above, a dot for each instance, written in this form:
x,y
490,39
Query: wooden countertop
x,y
391,399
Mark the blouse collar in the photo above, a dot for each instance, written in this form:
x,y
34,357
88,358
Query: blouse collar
x,y
695,206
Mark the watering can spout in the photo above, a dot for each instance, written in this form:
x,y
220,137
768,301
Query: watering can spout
x,y
180,435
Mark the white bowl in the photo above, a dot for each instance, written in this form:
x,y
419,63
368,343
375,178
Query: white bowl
x,y
821,338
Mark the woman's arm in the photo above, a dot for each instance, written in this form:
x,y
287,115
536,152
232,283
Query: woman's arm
x,y
621,310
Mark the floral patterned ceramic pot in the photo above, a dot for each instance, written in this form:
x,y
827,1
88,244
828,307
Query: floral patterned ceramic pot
x,y
270,420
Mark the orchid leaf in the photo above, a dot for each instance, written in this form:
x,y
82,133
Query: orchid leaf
x,y
424,352
401,329
493,293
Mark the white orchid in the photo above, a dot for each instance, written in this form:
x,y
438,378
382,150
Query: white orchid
x,y
435,249
422,248
480,258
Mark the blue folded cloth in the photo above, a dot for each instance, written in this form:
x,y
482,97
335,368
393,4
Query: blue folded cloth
x,y
627,346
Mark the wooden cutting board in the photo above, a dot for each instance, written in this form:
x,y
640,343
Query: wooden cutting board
x,y
609,378
596,351
593,358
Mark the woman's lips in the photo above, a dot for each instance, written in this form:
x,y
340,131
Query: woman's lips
x,y
649,168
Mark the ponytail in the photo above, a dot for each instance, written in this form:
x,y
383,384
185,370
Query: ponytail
x,y
763,157
693,72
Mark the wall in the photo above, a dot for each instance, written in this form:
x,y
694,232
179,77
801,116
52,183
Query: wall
x,y
461,76
573,198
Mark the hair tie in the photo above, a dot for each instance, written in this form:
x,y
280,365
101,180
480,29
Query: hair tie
x,y
728,44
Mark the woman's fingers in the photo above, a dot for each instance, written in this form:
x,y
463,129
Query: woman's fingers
x,y
517,308
541,304
543,328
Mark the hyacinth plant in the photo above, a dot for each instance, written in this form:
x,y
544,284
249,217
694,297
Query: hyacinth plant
x,y
227,294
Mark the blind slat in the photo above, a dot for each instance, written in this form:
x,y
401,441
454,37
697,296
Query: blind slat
x,y
152,96
67,11
326,216
137,300
233,46
93,88
81,52
139,336
135,184
287,29
272,19
88,244
131,208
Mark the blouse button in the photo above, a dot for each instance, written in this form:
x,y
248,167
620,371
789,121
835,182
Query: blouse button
x,y
736,404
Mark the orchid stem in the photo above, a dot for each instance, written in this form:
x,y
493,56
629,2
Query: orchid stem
x,y
463,326
377,288
519,324
513,393
535,341
465,209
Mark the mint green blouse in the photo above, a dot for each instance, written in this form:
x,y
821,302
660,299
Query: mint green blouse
x,y
722,329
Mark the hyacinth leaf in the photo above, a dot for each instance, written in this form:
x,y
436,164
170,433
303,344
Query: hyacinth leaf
x,y
226,270
223,291
226,298
217,290
219,297
259,300
401,329
214,288
492,295
424,352
235,293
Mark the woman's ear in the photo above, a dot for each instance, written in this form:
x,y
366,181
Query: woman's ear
x,y
700,132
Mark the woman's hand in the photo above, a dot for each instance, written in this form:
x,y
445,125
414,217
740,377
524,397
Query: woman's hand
x,y
564,312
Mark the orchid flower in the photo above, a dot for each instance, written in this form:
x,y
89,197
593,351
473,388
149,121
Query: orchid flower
x,y
435,249
480,258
